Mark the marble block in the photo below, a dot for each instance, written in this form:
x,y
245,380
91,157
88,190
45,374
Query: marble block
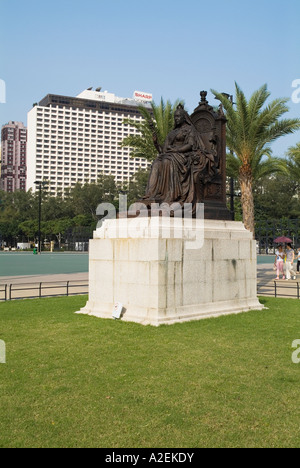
x,y
168,270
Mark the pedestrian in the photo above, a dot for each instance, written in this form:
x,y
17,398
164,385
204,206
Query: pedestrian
x,y
298,263
290,257
279,261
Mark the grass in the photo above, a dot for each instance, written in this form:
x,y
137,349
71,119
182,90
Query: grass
x,y
78,381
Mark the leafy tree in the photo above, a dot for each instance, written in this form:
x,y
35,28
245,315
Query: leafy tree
x,y
82,220
84,199
16,207
275,198
55,208
293,165
136,188
251,129
29,228
153,130
9,230
57,228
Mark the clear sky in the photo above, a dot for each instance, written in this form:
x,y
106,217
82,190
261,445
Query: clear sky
x,y
170,48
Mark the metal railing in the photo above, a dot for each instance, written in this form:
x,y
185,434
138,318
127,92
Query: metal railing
x,y
279,289
9,292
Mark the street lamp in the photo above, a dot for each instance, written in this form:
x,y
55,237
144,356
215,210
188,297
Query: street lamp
x,y
40,184
232,194
228,96
0,201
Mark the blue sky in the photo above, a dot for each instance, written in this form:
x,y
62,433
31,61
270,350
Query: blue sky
x,y
171,48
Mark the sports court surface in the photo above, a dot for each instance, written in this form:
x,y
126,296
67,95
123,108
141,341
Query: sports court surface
x,y
27,264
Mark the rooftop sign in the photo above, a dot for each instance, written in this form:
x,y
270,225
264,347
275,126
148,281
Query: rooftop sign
x,y
142,96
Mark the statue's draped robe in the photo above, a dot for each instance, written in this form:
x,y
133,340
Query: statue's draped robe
x,y
174,175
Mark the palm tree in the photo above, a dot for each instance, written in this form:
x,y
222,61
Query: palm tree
x,y
251,129
293,164
153,130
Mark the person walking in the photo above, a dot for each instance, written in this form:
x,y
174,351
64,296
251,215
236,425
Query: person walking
x,y
290,257
279,261
298,263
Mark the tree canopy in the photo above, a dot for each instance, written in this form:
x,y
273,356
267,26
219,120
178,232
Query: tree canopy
x,y
19,210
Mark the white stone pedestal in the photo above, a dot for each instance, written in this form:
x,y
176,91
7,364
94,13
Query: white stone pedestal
x,y
168,270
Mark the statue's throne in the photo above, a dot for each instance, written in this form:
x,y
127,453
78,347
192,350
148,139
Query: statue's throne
x,y
211,126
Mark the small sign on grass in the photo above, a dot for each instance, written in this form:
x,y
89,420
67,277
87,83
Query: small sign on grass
x,y
2,352
117,310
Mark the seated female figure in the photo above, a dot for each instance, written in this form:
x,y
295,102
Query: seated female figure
x,y
182,164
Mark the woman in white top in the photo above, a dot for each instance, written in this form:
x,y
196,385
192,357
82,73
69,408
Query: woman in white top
x,y
279,262
290,257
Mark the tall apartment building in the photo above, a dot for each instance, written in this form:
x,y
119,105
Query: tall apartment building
x,y
76,139
13,156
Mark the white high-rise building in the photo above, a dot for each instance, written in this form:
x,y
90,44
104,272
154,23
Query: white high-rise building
x,y
77,139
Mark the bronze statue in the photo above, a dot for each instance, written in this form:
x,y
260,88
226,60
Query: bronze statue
x,y
190,167
183,166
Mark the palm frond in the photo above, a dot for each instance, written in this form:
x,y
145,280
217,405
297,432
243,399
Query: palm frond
x,y
267,167
293,163
257,100
294,151
280,128
233,164
242,111
158,120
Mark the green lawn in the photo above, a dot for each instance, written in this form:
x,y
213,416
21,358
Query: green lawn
x,y
77,381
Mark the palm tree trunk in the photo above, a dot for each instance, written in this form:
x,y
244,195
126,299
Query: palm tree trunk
x,y
246,184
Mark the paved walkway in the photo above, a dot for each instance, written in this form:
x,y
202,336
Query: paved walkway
x,y
78,282
15,287
44,278
269,286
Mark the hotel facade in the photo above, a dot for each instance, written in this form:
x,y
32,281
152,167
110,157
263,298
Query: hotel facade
x,y
77,139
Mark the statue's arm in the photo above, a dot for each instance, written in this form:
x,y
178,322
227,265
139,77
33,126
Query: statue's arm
x,y
155,138
179,149
167,144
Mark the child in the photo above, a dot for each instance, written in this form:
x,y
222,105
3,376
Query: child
x,y
279,260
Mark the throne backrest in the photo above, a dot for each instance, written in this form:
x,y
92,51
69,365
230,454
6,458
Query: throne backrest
x,y
211,125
